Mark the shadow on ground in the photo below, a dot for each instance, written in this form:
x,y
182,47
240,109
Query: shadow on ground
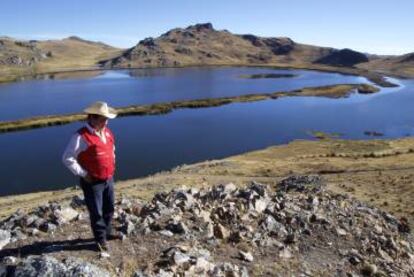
x,y
44,247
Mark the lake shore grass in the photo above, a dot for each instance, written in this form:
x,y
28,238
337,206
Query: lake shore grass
x,y
379,172
334,91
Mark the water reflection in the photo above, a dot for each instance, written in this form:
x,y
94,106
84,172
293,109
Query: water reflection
x,y
146,86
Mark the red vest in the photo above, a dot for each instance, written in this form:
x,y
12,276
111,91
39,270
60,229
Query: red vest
x,y
98,159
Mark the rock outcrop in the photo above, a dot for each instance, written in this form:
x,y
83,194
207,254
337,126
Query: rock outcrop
x,y
18,53
49,266
43,219
297,227
344,57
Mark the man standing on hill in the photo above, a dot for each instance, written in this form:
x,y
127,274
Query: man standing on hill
x,y
90,155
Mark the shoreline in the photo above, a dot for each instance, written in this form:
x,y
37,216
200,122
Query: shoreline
x,y
377,78
334,91
379,172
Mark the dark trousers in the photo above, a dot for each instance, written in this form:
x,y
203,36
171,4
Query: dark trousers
x,y
99,198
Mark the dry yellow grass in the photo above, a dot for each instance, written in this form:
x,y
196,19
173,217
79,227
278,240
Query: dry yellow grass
x,y
380,172
66,55
73,54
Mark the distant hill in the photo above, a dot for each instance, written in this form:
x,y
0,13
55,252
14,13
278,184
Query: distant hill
x,y
96,43
198,44
76,52
402,65
344,57
408,58
202,44
19,53
35,56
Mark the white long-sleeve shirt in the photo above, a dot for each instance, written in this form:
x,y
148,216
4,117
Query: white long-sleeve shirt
x,y
75,146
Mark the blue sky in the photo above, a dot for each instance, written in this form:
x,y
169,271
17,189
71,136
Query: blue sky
x,y
381,27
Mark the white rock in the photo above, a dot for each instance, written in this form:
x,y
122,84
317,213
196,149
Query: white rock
x,y
209,230
5,237
166,233
203,265
163,273
378,229
260,205
205,216
285,254
229,188
246,256
341,232
66,215
9,260
180,258
104,255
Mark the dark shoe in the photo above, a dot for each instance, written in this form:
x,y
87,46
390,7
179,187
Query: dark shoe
x,y
114,236
102,246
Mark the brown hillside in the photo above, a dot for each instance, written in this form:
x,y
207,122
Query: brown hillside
x,y
202,44
19,57
402,65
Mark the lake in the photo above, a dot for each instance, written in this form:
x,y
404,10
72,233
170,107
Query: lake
x,y
31,160
145,86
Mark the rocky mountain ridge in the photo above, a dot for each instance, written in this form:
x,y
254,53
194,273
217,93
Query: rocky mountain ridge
x,y
202,44
198,44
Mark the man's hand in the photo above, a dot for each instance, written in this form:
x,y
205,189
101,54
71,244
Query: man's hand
x,y
89,179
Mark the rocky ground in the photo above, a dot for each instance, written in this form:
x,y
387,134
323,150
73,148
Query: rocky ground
x,y
294,228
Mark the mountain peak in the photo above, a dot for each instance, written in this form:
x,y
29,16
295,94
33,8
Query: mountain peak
x,y
79,39
75,38
201,27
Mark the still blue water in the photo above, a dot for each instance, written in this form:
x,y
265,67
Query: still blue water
x,y
124,87
31,160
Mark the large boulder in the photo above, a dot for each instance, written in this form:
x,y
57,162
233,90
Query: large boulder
x,y
65,215
40,266
49,266
300,183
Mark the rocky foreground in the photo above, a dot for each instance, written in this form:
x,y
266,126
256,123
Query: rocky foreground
x,y
297,228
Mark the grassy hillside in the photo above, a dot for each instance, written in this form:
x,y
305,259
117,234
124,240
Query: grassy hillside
x,y
32,57
397,65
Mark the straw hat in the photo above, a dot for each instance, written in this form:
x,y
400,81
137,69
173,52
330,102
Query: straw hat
x,y
101,108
